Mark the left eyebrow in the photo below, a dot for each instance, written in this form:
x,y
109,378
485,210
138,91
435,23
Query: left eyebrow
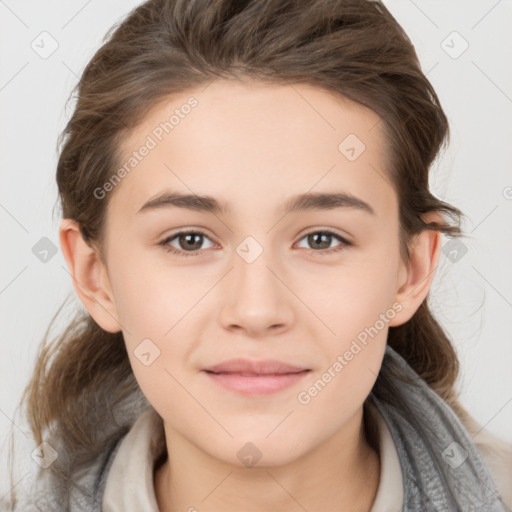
x,y
301,202
325,201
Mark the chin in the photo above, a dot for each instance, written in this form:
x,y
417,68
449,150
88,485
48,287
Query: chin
x,y
258,452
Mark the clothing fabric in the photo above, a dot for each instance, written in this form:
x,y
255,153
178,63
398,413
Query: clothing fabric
x,y
429,461
441,466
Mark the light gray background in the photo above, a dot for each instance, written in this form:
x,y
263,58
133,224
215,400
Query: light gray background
x,y
471,296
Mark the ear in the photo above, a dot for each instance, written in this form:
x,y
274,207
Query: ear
x,y
89,274
416,275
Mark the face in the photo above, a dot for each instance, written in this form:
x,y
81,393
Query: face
x,y
313,286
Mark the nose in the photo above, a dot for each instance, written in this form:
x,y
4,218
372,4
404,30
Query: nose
x,y
257,299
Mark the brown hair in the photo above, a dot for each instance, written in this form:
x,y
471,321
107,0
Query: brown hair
x,y
353,48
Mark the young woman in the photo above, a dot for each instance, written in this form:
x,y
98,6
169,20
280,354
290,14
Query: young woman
x,y
248,224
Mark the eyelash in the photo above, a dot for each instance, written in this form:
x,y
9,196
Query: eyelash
x,y
342,246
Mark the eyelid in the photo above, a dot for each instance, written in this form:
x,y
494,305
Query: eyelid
x,y
186,231
345,242
319,229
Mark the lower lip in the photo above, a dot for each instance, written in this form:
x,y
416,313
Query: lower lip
x,y
257,384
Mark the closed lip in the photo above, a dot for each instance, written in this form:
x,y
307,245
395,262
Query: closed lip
x,y
255,367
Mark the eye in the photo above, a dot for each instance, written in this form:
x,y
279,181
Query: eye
x,y
190,242
324,240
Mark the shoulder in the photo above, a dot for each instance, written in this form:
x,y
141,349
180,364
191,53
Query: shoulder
x,y
496,452
46,491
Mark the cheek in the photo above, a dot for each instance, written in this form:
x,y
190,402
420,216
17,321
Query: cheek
x,y
355,297
356,312
151,299
328,401
158,310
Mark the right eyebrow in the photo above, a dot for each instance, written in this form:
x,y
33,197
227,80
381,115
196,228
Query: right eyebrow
x,y
193,202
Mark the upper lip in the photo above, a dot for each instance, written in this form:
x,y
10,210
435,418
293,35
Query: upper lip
x,y
258,367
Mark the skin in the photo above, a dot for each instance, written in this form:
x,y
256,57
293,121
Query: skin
x,y
254,145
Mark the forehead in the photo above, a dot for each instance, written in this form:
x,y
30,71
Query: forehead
x,y
255,140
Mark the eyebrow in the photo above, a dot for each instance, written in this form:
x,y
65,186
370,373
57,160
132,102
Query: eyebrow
x,y
301,202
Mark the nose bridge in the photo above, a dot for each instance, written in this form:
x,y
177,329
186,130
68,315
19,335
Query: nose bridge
x,y
255,276
256,299
252,275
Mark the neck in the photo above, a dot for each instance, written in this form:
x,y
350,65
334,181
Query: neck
x,y
317,481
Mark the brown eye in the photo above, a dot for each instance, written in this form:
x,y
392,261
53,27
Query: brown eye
x,y
320,242
189,243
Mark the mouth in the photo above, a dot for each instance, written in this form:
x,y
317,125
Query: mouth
x,y
246,366
250,383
